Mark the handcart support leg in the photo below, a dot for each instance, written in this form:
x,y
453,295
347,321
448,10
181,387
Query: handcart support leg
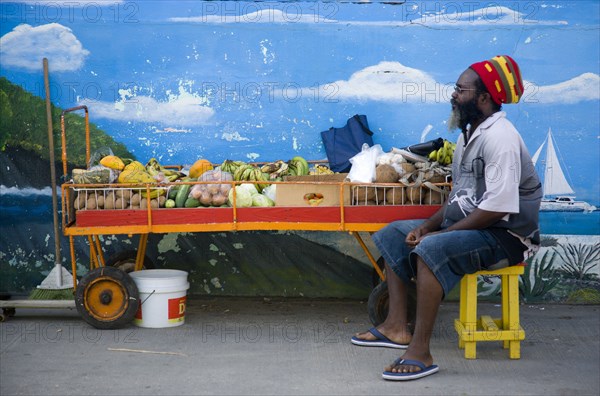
x,y
141,252
369,255
96,256
73,261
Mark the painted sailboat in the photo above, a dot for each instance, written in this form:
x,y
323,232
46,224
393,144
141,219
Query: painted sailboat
x,y
558,193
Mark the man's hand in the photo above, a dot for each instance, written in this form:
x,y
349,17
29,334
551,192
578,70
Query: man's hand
x,y
416,236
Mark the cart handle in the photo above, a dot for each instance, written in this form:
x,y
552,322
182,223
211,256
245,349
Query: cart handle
x,y
64,136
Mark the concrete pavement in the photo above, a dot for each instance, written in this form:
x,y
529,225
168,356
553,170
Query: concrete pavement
x,y
254,346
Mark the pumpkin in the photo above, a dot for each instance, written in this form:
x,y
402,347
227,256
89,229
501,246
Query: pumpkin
x,y
200,167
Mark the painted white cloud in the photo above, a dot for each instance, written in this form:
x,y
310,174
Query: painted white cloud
x,y
252,13
395,82
25,46
68,4
463,14
387,82
578,89
412,13
181,109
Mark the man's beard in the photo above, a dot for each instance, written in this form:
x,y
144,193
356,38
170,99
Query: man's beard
x,y
463,114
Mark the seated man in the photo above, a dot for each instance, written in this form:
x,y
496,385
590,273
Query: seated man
x,y
489,221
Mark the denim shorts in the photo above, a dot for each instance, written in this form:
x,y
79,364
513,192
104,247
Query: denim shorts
x,y
449,255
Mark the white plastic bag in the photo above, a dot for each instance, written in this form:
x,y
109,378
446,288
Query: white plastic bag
x,y
364,164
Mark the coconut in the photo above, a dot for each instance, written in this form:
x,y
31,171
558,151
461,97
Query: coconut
x,y
407,167
434,177
413,195
386,173
361,194
433,198
395,196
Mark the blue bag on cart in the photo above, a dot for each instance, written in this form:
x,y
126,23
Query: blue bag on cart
x,y
343,143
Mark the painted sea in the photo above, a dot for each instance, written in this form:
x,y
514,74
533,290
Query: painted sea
x,y
32,205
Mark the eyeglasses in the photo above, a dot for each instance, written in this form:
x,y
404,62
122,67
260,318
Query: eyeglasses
x,y
459,90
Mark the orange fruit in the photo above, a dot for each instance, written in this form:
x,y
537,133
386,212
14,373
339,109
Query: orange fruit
x,y
200,167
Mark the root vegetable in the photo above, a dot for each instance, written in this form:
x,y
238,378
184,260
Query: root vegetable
x,y
205,198
91,202
109,202
135,200
120,203
124,193
219,199
81,201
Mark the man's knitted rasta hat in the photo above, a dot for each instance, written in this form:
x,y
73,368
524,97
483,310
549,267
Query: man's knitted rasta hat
x,y
502,78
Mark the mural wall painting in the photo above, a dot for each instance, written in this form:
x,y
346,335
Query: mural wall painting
x,y
259,81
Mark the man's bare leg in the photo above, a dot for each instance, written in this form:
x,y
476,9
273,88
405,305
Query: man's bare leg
x,y
429,297
395,326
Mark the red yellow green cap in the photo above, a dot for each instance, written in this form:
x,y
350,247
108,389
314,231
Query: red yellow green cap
x,y
502,78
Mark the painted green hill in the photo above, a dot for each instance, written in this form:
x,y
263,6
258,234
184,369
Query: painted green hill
x,y
23,126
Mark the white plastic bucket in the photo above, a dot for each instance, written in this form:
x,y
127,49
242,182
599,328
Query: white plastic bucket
x,y
162,297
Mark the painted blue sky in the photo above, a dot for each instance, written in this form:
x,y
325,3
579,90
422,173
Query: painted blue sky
x,y
261,80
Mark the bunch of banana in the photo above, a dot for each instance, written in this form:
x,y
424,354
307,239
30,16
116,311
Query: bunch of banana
x,y
155,169
298,166
243,172
231,166
320,169
444,154
249,172
276,170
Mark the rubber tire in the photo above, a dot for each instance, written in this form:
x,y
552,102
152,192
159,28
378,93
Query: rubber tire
x,y
9,312
125,261
378,304
99,283
374,274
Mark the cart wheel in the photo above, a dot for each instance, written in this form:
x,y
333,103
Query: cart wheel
x,y
125,261
378,304
107,298
9,312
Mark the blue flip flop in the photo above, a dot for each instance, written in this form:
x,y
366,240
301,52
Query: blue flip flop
x,y
424,372
380,341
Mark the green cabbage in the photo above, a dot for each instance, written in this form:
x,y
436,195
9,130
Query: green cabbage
x,y
251,188
243,196
262,200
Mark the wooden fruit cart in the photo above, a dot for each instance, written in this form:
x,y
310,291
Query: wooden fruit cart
x,y
106,296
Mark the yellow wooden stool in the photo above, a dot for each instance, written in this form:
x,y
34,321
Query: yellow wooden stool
x,y
506,329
